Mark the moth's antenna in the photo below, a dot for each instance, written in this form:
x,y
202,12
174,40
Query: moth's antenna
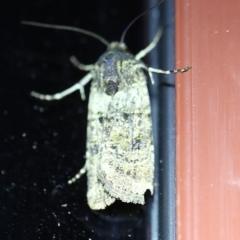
x,y
135,19
75,29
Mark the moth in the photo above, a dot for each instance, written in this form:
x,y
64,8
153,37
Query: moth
x,y
120,151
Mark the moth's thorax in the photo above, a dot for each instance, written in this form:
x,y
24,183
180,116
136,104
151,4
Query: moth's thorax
x,y
115,70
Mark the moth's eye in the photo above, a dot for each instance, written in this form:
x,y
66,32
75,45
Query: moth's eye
x,y
111,88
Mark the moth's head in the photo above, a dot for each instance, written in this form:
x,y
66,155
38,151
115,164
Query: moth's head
x,y
121,46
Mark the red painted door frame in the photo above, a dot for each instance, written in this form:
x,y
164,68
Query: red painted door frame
x,y
208,119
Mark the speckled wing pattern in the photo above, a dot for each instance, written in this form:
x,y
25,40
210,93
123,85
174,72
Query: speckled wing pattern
x,y
120,152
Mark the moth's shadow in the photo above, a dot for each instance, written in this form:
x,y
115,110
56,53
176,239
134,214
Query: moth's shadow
x,y
119,220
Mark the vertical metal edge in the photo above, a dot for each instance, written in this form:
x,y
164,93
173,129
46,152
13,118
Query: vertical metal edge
x,y
153,60
167,123
162,214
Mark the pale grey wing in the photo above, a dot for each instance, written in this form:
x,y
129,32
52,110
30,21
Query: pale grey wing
x,y
98,197
126,153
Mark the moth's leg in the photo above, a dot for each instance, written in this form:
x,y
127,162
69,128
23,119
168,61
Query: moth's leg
x,y
78,86
142,65
152,45
181,70
79,65
78,175
151,77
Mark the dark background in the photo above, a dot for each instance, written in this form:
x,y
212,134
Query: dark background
x,y
43,143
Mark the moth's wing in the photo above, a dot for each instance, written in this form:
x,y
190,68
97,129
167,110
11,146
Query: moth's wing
x,y
98,197
125,164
